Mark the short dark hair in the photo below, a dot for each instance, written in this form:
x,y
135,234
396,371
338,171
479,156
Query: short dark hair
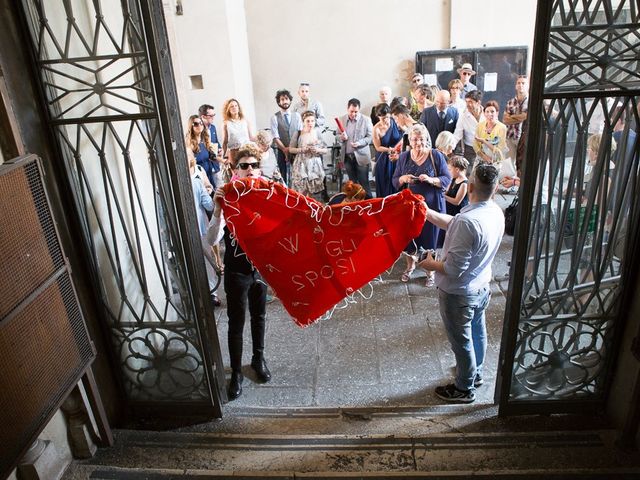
x,y
283,93
459,162
247,150
398,100
492,103
475,95
382,109
202,110
485,179
426,90
400,109
353,101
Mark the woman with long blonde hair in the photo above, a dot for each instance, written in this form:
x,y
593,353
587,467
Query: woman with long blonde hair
x,y
236,130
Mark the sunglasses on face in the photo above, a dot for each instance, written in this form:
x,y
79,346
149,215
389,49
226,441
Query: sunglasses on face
x,y
415,80
197,123
245,166
466,73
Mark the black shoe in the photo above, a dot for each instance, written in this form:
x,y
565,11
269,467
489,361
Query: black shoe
x,y
260,367
478,380
449,393
235,385
216,301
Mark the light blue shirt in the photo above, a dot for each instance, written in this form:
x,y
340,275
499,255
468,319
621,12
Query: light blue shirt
x,y
202,200
472,241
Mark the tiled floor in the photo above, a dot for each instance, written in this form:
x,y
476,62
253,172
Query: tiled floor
x,y
389,350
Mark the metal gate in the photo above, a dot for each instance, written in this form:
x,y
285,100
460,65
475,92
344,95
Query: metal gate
x,y
106,78
576,246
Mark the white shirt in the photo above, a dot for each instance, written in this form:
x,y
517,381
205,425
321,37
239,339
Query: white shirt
x,y
460,105
268,164
466,127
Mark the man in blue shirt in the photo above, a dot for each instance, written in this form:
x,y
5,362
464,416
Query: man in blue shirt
x,y
206,113
463,275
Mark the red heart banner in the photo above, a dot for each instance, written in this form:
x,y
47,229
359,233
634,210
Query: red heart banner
x,y
314,255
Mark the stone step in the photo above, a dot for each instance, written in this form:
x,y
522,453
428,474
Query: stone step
x,y
195,455
411,421
83,472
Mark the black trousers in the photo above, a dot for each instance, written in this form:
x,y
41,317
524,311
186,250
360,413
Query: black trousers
x,y
283,165
470,155
357,173
241,288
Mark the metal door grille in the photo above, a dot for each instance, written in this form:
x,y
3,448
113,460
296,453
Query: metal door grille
x,y
574,247
103,102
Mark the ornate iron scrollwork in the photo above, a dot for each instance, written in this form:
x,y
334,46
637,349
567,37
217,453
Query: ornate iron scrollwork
x,y
97,79
584,208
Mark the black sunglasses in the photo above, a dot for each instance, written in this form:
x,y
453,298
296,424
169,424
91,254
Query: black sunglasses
x,y
197,123
245,166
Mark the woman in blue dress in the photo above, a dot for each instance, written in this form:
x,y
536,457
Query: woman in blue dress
x,y
386,136
424,171
198,141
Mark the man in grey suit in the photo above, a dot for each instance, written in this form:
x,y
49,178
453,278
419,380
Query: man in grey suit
x,y
284,123
356,138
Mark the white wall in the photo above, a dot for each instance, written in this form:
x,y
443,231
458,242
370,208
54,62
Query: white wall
x,y
344,48
204,36
493,23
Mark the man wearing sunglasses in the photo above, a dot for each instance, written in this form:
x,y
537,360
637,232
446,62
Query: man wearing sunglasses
x,y
466,71
416,81
207,115
243,284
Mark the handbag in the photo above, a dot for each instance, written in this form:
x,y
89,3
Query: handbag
x,y
510,217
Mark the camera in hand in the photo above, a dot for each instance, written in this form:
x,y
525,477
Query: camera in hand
x,y
423,254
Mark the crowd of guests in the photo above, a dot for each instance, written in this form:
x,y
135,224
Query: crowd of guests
x,y
430,142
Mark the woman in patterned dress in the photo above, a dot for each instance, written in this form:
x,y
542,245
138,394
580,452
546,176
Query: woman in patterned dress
x,y
307,172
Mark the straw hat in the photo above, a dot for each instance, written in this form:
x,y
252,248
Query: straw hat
x,y
466,67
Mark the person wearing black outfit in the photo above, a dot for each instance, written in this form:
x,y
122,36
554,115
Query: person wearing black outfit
x,y
242,284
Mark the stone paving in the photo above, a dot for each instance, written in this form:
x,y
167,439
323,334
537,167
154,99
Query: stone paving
x,y
389,350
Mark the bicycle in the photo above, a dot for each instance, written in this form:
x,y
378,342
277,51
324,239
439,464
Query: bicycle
x,y
335,168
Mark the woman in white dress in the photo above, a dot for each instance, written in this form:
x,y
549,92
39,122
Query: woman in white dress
x,y
237,130
307,173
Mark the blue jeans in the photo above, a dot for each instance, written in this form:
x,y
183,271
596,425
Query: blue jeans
x,y
464,321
